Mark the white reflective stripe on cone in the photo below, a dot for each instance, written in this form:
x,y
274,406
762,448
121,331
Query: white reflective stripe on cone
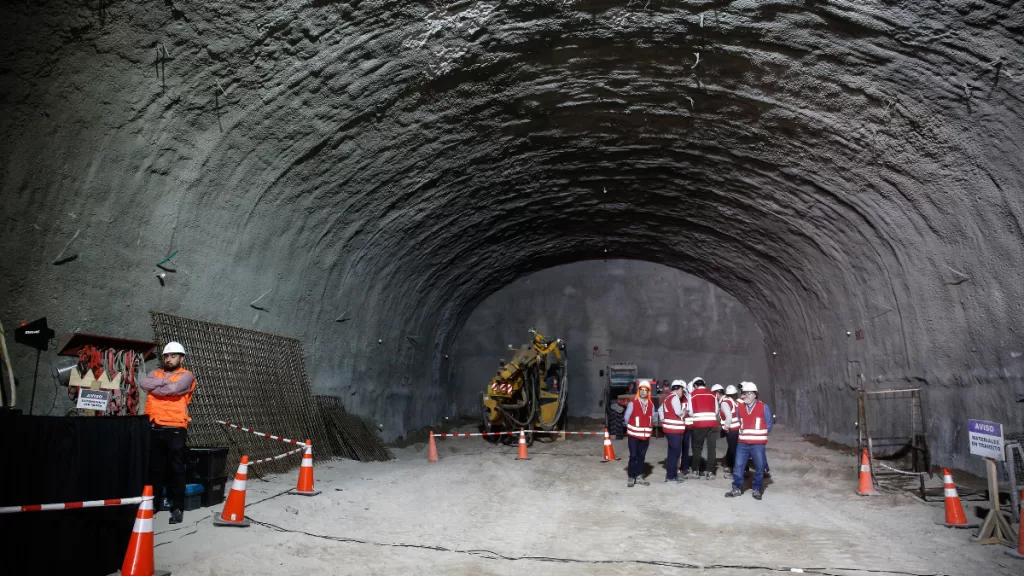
x,y
243,468
307,462
951,493
147,503
607,442
947,479
143,525
238,485
865,468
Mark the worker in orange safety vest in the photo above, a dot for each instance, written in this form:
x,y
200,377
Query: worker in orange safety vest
x,y
169,391
639,419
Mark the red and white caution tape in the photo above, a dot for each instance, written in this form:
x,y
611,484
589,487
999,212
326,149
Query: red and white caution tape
x,y
513,433
278,457
70,505
469,434
271,436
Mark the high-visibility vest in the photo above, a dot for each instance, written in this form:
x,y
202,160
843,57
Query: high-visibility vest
x,y
170,410
753,427
705,408
640,425
672,423
734,406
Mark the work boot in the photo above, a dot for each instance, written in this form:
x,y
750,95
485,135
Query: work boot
x,y
709,476
176,517
767,473
757,494
674,480
642,482
734,493
728,471
629,484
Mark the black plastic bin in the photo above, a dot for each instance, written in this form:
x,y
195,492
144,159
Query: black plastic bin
x,y
213,491
205,463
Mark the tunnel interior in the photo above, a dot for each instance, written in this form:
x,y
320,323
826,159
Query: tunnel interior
x,y
669,324
372,171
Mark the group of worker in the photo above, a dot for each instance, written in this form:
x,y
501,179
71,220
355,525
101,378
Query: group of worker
x,y
693,415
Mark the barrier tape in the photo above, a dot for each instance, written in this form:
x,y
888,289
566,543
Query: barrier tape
x,y
278,457
71,505
515,433
904,473
271,436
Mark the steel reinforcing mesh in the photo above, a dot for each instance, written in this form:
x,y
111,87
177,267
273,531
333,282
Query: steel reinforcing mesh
x,y
254,379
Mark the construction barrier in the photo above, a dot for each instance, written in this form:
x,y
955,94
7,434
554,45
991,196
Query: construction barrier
x,y
251,431
523,451
512,433
71,505
278,457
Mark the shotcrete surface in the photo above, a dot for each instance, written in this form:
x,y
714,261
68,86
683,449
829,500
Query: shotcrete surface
x,y
850,171
480,511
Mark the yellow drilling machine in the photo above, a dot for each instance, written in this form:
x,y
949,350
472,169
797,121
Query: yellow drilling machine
x,y
529,391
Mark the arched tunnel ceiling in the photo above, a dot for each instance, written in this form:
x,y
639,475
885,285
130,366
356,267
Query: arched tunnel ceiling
x,y
836,166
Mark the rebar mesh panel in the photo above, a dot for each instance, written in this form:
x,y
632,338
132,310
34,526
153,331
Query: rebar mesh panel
x,y
352,436
254,379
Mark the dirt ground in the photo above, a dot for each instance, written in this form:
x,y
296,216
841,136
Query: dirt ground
x,y
479,511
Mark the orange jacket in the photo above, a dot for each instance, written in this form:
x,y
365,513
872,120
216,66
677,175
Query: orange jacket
x,y
170,410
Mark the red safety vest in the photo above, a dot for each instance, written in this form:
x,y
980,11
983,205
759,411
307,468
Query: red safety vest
x,y
733,405
705,408
639,425
170,410
753,428
673,423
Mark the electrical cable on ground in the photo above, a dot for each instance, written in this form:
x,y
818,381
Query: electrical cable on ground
x,y
491,555
195,525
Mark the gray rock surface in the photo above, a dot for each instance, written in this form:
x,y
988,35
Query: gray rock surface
x,y
670,324
836,166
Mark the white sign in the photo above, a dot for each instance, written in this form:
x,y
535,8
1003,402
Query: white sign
x,y
986,439
93,399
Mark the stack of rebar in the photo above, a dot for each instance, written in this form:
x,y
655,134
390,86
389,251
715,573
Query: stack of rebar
x,y
250,378
350,435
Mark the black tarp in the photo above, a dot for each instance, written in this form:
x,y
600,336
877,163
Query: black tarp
x,y
57,459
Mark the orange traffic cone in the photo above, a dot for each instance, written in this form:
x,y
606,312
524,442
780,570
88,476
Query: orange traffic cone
x,y
1019,553
955,517
234,509
138,561
522,446
432,450
609,450
867,487
305,487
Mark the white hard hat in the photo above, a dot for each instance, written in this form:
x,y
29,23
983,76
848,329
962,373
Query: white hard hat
x,y
677,384
717,387
174,348
698,380
644,383
748,387
730,390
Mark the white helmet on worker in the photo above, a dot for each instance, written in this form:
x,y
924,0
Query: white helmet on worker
x,y
174,348
748,387
698,381
717,388
730,390
644,384
677,384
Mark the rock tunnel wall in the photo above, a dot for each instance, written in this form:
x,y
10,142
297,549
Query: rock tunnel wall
x,y
382,167
670,324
